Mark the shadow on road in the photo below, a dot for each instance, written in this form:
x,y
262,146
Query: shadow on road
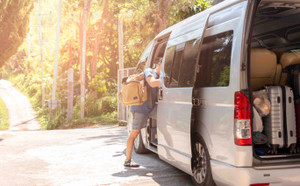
x,y
155,169
100,137
120,153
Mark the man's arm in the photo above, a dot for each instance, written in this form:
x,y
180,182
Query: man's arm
x,y
152,81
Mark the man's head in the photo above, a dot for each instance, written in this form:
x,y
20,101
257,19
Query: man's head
x,y
158,65
158,62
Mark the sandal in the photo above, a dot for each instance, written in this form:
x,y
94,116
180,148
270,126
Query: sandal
x,y
130,163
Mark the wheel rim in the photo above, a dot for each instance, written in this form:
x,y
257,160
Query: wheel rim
x,y
200,169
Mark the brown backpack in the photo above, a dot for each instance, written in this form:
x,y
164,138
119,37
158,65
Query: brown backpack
x,y
134,90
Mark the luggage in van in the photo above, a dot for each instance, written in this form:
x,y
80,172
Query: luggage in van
x,y
280,124
297,107
296,84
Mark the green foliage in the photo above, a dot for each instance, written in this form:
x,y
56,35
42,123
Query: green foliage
x,y
4,124
109,104
142,20
224,77
14,25
60,119
186,11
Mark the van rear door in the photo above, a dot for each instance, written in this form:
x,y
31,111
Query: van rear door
x,y
217,80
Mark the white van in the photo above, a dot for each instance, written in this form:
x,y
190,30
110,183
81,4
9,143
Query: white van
x,y
212,64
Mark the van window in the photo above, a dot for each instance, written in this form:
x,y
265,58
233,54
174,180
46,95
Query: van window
x,y
159,50
140,66
175,68
168,65
180,64
188,65
215,59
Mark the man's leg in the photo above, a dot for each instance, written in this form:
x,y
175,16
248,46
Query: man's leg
x,y
130,141
139,121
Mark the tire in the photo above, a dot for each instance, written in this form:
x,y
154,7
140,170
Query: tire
x,y
201,164
138,145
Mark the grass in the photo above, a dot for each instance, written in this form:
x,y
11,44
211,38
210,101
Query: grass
x,y
104,119
32,91
4,124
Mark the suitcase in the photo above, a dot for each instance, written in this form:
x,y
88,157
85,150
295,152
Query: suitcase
x,y
298,120
280,124
296,84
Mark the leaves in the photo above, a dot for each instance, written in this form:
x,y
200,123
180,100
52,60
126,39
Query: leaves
x,y
14,22
142,20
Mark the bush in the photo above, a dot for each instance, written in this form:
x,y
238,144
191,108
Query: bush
x,y
4,124
109,104
60,119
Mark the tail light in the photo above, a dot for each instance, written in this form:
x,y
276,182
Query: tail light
x,y
242,120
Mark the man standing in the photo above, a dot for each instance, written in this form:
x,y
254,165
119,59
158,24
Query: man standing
x,y
141,113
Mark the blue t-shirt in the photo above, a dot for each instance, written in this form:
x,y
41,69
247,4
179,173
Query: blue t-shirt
x,y
146,107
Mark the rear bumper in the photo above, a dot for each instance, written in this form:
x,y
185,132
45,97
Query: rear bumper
x,y
225,174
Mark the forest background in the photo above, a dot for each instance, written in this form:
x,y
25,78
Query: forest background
x,y
20,56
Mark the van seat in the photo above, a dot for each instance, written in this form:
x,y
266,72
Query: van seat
x,y
263,68
278,74
290,58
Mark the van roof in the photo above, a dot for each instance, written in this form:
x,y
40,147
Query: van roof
x,y
198,18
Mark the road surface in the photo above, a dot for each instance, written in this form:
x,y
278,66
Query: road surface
x,y
21,113
92,156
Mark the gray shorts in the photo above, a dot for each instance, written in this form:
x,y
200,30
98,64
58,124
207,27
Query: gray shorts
x,y
139,120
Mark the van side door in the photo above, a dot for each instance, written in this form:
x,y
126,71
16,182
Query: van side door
x,y
175,97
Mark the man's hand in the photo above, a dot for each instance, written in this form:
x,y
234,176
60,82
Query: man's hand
x,y
152,81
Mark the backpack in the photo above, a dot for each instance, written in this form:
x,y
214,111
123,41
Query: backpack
x,y
134,90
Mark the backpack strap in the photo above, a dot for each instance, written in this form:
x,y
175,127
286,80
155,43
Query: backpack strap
x,y
150,97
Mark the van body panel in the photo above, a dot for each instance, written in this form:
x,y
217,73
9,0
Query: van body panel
x,y
230,164
173,132
216,114
225,174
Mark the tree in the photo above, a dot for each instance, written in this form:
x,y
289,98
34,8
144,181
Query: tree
x,y
14,26
99,25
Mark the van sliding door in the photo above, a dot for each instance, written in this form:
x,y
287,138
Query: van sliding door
x,y
175,95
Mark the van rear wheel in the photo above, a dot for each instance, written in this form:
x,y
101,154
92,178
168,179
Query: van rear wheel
x,y
201,164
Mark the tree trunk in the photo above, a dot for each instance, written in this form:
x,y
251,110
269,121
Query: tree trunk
x,y
81,30
161,15
97,40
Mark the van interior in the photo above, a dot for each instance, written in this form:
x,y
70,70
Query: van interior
x,y
275,61
159,50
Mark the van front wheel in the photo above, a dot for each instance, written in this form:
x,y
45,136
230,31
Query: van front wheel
x,y
201,165
139,147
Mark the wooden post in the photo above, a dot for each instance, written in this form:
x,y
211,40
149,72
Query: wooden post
x,y
41,53
120,33
53,100
121,62
82,76
70,85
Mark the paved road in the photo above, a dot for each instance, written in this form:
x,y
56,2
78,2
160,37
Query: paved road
x,y
21,113
92,156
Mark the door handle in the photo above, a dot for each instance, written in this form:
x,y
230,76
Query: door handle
x,y
160,93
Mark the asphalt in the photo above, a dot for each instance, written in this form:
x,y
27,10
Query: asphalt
x,y
92,156
21,113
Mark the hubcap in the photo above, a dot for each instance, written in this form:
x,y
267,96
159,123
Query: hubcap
x,y
200,163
